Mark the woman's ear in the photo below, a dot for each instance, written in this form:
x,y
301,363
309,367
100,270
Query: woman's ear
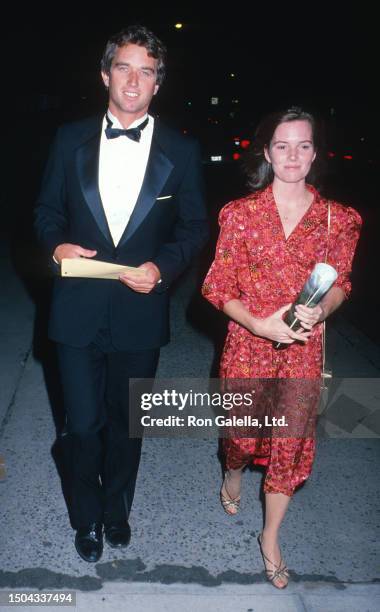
x,y
266,155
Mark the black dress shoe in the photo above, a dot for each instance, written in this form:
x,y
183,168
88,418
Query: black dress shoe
x,y
117,534
89,542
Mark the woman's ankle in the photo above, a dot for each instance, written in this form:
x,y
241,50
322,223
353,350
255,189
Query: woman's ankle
x,y
270,536
233,474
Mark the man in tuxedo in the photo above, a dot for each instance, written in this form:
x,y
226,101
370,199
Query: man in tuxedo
x,y
126,189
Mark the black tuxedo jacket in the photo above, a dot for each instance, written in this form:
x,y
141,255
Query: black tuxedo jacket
x,y
168,226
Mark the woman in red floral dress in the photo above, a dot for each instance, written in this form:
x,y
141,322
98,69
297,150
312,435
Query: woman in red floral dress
x,y
269,243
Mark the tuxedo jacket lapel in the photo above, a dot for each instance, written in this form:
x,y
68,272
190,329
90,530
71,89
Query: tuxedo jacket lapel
x,y
156,174
88,169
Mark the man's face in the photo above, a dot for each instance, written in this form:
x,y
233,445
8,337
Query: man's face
x,y
131,82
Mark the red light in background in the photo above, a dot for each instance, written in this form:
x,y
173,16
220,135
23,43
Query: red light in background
x,y
347,157
236,156
330,154
184,131
245,144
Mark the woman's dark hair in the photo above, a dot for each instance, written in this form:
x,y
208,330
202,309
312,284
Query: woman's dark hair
x,y
259,171
137,35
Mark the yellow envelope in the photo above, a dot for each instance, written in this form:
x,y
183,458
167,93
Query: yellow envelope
x,y
82,267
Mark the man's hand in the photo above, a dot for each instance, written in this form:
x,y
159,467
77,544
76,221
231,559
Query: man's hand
x,y
71,251
142,283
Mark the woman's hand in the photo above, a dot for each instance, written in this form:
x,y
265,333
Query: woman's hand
x,y
308,317
274,328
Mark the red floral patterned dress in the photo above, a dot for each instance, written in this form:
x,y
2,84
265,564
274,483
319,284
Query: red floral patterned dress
x,y
255,263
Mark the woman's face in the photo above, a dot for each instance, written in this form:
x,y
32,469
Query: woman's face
x,y
291,151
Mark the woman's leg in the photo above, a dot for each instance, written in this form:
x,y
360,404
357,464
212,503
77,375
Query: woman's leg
x,y
232,483
290,464
230,491
276,505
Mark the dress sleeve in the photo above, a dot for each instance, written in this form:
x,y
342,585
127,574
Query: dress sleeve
x,y
343,244
221,282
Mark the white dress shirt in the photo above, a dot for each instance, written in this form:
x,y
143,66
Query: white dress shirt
x,y
122,165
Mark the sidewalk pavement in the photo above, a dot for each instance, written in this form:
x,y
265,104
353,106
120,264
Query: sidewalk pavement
x,y
185,552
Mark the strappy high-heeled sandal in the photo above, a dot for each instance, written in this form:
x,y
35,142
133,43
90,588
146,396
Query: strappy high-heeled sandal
x,y
281,571
231,505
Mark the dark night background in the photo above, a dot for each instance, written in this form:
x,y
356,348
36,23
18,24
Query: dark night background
x,y
322,61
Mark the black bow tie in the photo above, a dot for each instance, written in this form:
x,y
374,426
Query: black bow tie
x,y
132,133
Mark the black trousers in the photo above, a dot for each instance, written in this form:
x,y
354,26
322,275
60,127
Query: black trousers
x,y
103,460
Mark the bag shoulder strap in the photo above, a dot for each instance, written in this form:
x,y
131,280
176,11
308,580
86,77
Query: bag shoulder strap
x,y
324,373
328,228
